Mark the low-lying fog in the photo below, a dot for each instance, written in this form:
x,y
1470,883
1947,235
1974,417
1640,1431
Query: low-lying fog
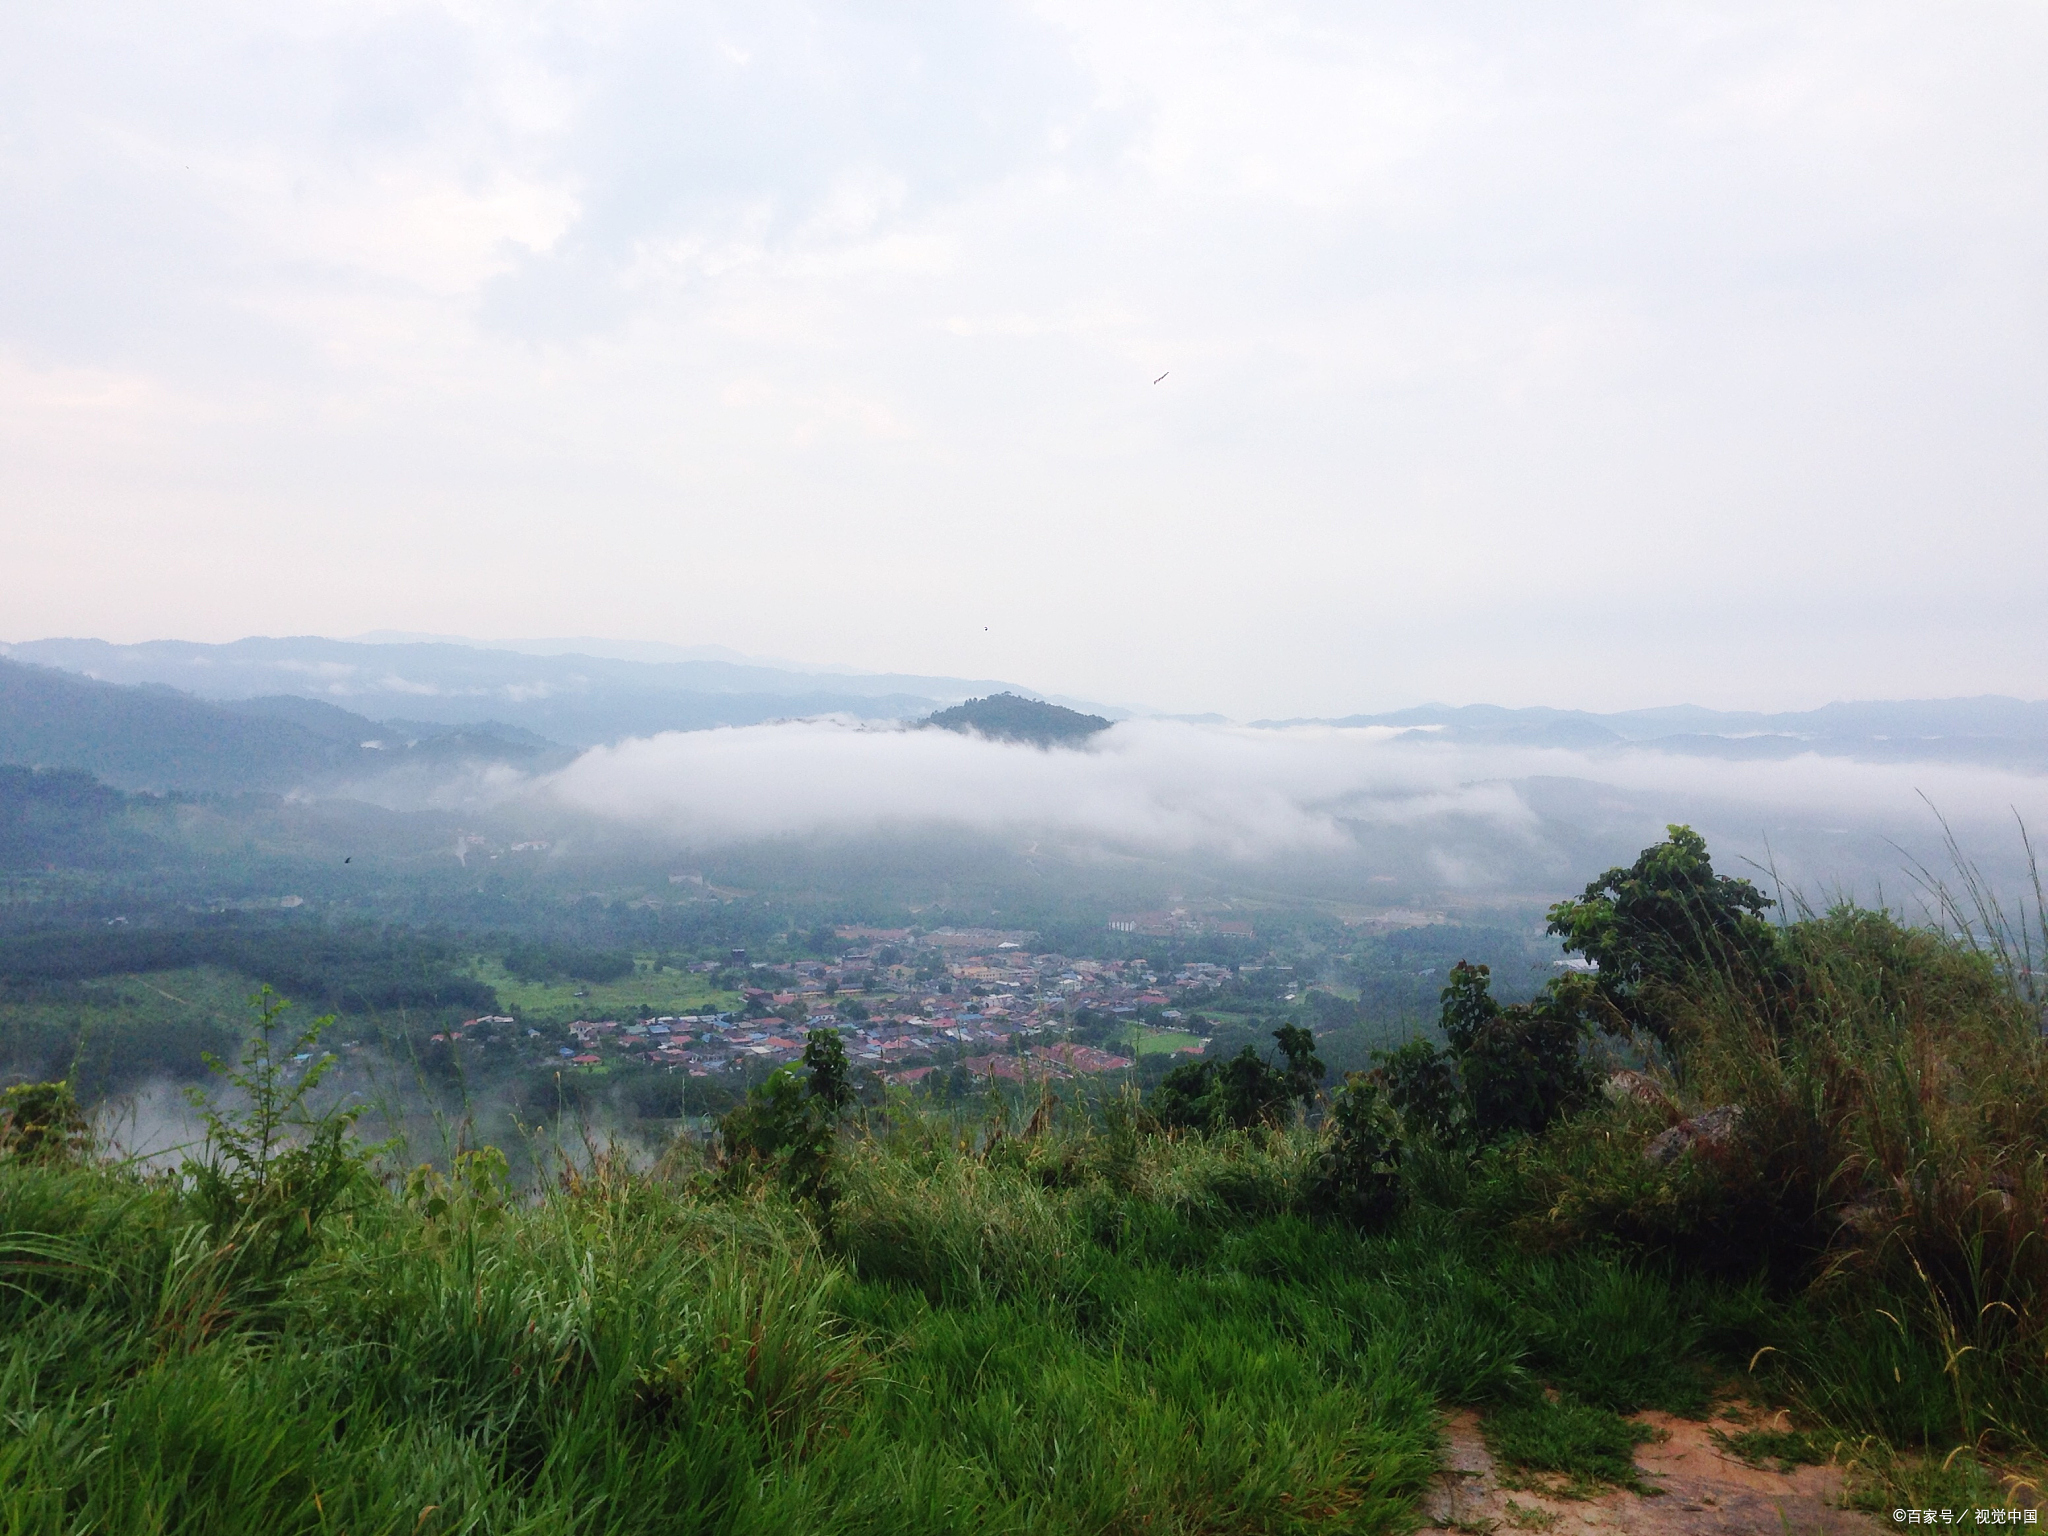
x,y
1350,804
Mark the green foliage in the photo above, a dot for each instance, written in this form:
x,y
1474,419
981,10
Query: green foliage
x,y
1784,1449
1303,1073
1524,1066
1358,1174
1181,1101
1583,1447
1466,1005
790,1128
825,1061
533,961
1517,1068
1248,1091
275,1167
353,969
42,1123
1661,921
472,1193
1239,1091
1009,717
107,1037
1421,1083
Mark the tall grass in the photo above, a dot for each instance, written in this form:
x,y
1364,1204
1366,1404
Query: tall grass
x,y
1066,1332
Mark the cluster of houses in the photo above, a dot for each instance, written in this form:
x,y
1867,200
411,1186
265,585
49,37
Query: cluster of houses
x,y
1005,1011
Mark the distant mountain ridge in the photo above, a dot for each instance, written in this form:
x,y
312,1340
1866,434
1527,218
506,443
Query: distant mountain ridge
x,y
1989,728
149,737
579,699
277,714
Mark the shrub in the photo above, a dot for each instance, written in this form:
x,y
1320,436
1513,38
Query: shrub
x,y
1421,1082
1304,1070
1358,1175
1241,1091
1181,1101
791,1128
1525,1066
42,1123
1521,1067
273,1171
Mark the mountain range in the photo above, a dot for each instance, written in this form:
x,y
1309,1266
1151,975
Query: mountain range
x,y
149,737
571,697
278,714
1989,729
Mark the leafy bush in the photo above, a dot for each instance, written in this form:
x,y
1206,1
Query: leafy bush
x,y
273,1170
1519,1068
1358,1176
1525,1066
1181,1102
1240,1091
790,1128
1421,1082
42,1123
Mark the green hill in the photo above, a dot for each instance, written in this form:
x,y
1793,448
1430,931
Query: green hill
x,y
1011,717
156,738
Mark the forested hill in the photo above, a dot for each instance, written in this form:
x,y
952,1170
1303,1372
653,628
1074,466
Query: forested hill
x,y
155,738
1011,717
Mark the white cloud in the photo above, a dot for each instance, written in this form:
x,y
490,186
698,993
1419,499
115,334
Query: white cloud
x,y
1240,793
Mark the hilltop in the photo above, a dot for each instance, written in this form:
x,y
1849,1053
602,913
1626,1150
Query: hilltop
x,y
1011,717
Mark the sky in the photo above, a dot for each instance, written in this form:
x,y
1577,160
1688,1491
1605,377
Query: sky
x,y
1592,355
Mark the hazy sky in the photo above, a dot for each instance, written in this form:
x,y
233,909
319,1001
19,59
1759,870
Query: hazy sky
x,y
1591,355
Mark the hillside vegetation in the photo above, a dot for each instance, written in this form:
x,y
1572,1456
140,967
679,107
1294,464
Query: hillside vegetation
x,y
1011,717
1800,1160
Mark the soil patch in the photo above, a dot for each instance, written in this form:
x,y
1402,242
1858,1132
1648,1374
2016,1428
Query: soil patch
x,y
1699,1489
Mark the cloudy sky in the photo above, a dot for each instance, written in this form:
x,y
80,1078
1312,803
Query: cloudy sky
x,y
1589,355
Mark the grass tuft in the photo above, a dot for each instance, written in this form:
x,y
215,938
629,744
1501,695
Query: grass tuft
x,y
1574,1449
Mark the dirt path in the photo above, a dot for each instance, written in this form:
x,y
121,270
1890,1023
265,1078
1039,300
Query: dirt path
x,y
1704,1491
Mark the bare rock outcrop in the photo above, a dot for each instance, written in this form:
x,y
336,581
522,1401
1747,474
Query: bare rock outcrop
x,y
1710,1131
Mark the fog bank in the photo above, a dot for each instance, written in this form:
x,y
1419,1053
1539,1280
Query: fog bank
x,y
1247,794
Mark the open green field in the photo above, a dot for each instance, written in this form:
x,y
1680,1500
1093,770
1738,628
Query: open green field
x,y
1160,1042
663,991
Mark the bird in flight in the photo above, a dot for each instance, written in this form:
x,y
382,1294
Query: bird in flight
x,y
1163,375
